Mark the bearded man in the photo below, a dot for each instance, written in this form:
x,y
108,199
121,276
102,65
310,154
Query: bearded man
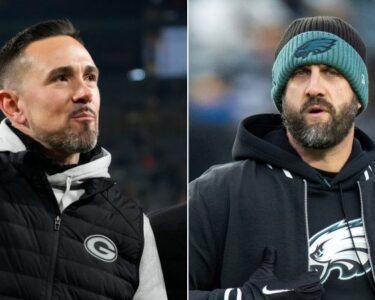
x,y
66,232
294,216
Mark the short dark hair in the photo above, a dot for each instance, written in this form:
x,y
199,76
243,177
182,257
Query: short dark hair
x,y
16,45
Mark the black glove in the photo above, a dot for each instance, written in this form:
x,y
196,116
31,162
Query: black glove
x,y
263,284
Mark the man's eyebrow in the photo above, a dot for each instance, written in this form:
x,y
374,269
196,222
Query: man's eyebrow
x,y
304,67
91,69
68,71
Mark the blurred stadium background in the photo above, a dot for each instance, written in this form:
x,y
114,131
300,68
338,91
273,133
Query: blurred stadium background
x,y
140,49
231,51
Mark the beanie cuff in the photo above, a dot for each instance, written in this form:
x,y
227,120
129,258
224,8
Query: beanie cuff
x,y
319,47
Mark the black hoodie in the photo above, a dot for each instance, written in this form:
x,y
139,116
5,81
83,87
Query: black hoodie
x,y
270,197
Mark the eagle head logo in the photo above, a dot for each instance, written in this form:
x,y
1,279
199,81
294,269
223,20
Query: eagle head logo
x,y
314,46
332,249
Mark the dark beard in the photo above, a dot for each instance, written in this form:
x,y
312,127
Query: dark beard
x,y
320,135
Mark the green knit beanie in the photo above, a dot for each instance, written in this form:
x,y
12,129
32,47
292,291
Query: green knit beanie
x,y
321,40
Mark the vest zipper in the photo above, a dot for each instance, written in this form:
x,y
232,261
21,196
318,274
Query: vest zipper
x,y
57,223
307,224
56,233
364,227
51,273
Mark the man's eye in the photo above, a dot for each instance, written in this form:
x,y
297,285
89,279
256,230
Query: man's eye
x,y
91,77
333,72
61,78
299,72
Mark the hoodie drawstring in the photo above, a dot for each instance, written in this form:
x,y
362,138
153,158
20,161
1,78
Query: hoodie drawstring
x,y
68,184
368,276
306,223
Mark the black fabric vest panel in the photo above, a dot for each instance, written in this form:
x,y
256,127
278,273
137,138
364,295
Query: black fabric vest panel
x,y
40,262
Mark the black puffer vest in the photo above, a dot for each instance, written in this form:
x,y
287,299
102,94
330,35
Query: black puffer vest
x,y
90,251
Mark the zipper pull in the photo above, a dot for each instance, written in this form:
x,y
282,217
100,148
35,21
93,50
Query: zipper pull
x,y
57,223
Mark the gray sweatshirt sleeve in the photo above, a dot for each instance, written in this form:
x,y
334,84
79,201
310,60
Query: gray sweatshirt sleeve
x,y
151,281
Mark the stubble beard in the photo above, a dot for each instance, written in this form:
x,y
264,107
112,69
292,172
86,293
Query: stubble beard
x,y
69,141
320,135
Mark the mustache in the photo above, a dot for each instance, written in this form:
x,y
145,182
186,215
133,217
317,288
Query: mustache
x,y
82,110
317,101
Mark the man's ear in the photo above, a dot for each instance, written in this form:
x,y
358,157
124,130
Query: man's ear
x,y
10,106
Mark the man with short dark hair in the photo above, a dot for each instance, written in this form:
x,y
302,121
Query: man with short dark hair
x,y
293,216
66,232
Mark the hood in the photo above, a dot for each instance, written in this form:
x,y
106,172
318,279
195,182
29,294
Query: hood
x,y
95,168
252,143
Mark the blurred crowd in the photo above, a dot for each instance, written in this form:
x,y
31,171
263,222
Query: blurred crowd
x,y
143,122
147,138
231,52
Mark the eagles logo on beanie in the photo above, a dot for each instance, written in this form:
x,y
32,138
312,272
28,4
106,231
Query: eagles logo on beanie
x,y
321,40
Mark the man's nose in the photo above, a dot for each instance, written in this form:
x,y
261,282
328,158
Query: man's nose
x,y
315,86
82,93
